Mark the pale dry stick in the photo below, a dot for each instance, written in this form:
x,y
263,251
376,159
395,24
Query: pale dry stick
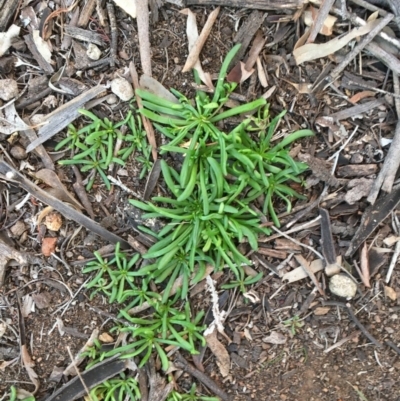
x,y
342,341
334,75
388,172
142,10
308,224
369,6
396,88
68,303
123,187
198,46
79,374
146,123
360,22
393,262
391,61
323,12
298,242
345,143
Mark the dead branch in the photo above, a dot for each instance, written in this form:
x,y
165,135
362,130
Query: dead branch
x,y
389,169
360,46
254,4
181,362
201,40
64,115
7,11
11,175
142,9
319,21
146,123
87,12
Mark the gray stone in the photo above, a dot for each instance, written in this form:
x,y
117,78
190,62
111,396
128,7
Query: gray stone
x,y
342,286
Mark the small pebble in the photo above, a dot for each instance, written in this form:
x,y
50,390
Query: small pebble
x,y
356,158
122,88
8,89
93,52
18,152
342,286
112,99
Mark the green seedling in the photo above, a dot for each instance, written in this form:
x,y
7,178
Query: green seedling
x,y
14,395
293,324
168,326
94,145
190,396
115,277
119,388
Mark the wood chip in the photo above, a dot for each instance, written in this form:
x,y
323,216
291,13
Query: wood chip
x,y
64,115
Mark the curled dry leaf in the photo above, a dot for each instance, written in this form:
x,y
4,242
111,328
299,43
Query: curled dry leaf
x,y
42,46
361,95
10,121
220,352
299,273
152,85
58,190
7,37
129,6
49,245
326,28
390,293
29,365
28,305
358,188
312,51
275,338
193,36
261,74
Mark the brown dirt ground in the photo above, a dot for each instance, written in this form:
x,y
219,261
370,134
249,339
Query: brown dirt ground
x,y
297,370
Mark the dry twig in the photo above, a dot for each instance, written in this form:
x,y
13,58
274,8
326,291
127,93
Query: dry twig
x,y
142,9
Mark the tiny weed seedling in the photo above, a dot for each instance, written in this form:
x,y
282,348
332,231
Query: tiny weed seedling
x,y
293,324
93,146
190,396
117,389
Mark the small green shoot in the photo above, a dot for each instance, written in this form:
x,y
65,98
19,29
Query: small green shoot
x,y
293,324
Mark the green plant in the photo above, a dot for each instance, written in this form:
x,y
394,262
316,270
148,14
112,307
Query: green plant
x,y
117,389
293,324
190,396
14,395
113,277
210,209
168,326
94,144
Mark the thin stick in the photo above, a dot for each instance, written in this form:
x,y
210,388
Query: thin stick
x,y
388,172
357,49
319,21
393,261
146,123
79,373
298,242
342,341
355,320
183,364
142,10
198,46
345,143
114,33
